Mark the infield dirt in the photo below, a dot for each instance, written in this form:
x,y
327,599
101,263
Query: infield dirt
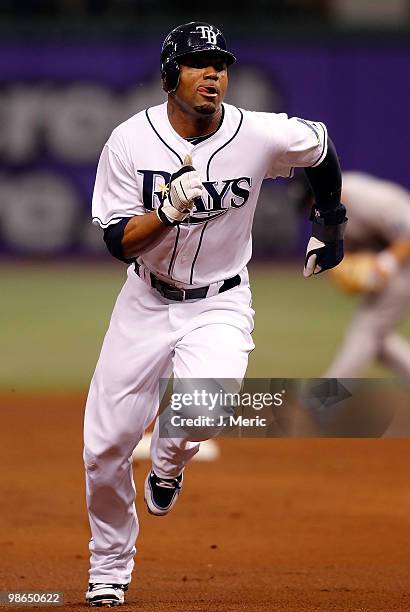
x,y
283,525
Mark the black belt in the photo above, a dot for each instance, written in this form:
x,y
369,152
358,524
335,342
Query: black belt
x,y
170,292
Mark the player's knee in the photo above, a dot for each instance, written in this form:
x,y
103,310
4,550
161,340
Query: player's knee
x,y
90,460
108,462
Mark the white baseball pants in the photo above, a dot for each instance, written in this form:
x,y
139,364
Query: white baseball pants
x,y
148,338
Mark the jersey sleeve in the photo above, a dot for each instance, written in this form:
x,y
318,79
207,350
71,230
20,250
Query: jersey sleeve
x,y
295,143
116,193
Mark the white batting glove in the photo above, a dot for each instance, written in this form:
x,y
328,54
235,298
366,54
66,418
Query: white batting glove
x,y
325,247
184,187
313,247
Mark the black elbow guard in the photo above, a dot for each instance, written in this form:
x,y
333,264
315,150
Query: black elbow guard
x,y
113,235
326,180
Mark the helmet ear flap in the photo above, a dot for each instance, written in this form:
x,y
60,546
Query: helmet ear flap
x,y
170,76
164,79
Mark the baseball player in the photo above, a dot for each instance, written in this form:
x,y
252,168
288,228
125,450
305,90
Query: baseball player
x,y
377,266
175,193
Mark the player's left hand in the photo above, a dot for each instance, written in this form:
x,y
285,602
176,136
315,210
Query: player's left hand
x,y
325,247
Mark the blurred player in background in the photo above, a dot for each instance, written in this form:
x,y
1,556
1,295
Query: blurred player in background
x,y
376,265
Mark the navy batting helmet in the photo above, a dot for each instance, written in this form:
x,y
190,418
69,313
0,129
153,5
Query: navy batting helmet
x,y
190,38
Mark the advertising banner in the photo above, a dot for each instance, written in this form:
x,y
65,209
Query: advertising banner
x,y
60,101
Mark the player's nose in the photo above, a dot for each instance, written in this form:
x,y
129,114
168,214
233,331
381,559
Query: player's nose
x,y
211,73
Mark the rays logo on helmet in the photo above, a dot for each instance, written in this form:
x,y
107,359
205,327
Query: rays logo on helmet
x,y
208,33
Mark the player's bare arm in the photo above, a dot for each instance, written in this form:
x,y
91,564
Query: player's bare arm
x,y
141,234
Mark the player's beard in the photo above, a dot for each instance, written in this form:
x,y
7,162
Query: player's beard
x,y
208,108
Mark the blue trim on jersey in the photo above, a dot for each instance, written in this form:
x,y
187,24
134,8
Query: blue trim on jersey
x,y
194,140
309,125
171,263
105,225
325,140
224,145
174,251
160,137
207,178
197,252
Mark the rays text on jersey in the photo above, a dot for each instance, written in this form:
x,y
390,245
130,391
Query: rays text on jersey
x,y
218,197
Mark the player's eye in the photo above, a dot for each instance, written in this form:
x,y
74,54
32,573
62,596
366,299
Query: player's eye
x,y
219,65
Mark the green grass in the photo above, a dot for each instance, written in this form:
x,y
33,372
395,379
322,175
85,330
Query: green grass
x,y
54,319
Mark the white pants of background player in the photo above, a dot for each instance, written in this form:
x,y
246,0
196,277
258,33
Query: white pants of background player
x,y
148,338
371,334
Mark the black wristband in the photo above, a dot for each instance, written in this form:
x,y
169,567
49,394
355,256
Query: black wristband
x,y
329,233
333,216
329,225
164,219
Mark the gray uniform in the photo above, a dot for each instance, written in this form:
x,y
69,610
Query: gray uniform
x,y
379,214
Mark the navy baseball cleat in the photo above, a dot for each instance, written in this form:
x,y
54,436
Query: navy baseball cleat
x,y
101,594
160,494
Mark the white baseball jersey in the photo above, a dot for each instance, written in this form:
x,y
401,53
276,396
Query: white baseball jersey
x,y
151,336
215,242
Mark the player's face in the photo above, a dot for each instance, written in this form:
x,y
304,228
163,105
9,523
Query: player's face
x,y
202,83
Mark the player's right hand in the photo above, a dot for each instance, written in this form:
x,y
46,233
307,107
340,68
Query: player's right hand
x,y
184,187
